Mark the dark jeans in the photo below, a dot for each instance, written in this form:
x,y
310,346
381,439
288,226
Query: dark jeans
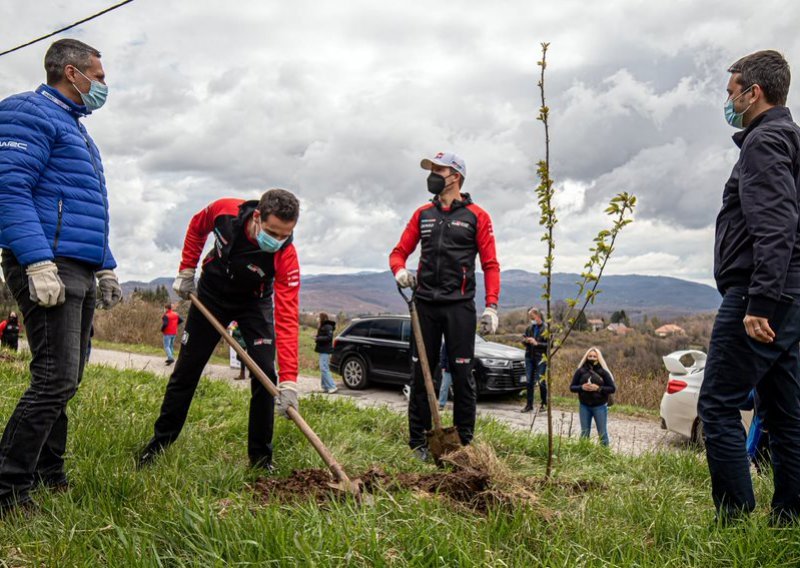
x,y
735,365
35,437
534,369
198,342
456,321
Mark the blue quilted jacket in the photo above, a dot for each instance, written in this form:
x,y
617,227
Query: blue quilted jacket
x,y
53,199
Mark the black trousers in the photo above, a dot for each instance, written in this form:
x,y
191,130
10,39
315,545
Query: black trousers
x,y
35,437
456,321
735,365
255,318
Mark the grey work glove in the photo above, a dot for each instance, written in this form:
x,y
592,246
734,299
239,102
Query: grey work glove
x,y
46,288
287,396
405,279
184,283
108,288
488,321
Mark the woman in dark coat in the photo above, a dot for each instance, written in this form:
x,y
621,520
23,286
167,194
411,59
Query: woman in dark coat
x,y
594,383
9,332
324,346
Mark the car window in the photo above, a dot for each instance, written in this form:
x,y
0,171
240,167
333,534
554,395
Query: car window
x,y
360,329
386,329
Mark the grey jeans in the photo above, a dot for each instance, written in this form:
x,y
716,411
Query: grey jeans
x,y
35,437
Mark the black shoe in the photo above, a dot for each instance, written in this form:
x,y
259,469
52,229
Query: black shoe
x,y
169,362
148,456
264,464
56,483
25,507
527,409
422,453
543,408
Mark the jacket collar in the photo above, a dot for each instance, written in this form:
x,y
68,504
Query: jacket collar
x,y
463,202
770,115
246,210
55,97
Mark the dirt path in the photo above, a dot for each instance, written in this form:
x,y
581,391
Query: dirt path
x,y
628,435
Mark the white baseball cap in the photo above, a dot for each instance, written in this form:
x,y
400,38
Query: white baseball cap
x,y
446,159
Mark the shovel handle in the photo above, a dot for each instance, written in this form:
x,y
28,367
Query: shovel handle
x,y
262,377
433,402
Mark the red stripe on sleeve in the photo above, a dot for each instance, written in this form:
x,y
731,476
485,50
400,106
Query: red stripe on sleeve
x,y
287,312
407,243
201,225
488,254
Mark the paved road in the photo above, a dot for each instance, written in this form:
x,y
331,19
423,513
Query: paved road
x,y
628,435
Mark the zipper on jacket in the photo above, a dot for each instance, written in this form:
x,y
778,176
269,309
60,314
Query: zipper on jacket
x,y
58,224
463,280
102,193
439,254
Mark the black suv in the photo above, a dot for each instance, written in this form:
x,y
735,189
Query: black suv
x,y
376,349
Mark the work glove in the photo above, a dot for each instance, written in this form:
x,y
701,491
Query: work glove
x,y
46,288
287,396
184,283
405,279
488,321
109,290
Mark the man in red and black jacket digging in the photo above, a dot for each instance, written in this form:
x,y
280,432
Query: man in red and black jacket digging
x,y
452,230
252,276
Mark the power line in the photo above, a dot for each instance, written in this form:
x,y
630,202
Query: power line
x,y
92,17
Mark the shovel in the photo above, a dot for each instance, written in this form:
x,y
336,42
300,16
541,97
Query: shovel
x,y
441,441
343,483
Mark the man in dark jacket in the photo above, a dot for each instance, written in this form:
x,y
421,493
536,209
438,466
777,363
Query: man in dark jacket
x,y
754,342
251,275
324,346
54,236
535,349
452,230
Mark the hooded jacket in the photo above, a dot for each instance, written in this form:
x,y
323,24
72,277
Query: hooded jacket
x,y
53,199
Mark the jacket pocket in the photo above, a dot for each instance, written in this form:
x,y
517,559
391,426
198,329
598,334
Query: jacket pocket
x,y
58,224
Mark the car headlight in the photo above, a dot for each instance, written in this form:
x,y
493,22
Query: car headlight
x,y
496,362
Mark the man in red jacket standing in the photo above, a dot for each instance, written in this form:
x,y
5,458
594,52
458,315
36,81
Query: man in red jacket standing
x,y
452,230
251,276
169,328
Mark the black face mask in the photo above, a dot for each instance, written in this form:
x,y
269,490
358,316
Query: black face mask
x,y
436,183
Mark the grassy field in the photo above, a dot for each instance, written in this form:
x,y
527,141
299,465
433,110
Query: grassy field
x,y
194,507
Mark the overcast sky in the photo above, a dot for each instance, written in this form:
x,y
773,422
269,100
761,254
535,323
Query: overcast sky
x,y
339,101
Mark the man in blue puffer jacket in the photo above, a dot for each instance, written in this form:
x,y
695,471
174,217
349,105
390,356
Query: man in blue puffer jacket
x,y
54,236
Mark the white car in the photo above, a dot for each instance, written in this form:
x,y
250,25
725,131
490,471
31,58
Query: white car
x,y
679,403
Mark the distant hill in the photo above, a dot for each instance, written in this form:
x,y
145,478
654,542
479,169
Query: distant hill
x,y
375,292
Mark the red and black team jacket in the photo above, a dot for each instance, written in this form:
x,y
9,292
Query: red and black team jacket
x,y
450,238
170,322
237,269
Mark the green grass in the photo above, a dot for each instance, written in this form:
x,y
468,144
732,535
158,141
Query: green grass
x,y
193,508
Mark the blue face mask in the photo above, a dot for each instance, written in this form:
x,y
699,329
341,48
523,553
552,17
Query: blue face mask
x,y
267,242
734,118
96,97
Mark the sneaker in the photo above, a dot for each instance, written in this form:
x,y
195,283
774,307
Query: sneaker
x,y
148,456
543,408
527,409
422,453
169,362
263,464
441,407
332,390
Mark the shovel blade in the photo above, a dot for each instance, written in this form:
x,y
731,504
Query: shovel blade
x,y
442,441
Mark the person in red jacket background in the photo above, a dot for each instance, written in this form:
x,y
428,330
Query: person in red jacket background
x,y
452,230
169,328
251,275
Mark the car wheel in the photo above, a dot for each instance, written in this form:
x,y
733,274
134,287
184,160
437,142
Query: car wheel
x,y
354,373
698,436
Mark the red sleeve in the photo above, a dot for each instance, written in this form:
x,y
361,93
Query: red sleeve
x,y
201,225
407,244
488,253
3,325
287,312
